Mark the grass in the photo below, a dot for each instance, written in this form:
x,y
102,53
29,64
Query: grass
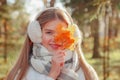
x,y
114,58
6,66
114,65
114,62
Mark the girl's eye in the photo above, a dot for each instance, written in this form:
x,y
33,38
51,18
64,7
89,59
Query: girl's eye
x,y
48,32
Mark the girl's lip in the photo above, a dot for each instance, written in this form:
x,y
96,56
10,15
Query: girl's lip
x,y
55,46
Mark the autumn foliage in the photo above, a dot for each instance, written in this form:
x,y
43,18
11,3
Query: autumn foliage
x,y
65,37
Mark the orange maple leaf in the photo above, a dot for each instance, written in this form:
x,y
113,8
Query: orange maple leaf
x,y
63,37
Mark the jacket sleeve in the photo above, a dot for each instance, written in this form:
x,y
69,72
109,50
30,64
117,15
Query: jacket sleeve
x,y
34,75
81,74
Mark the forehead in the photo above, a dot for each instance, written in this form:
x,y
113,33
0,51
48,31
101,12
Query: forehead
x,y
52,25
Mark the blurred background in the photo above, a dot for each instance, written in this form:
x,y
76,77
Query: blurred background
x,y
99,21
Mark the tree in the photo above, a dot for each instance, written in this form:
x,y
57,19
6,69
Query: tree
x,y
95,33
52,2
3,3
85,11
6,18
49,4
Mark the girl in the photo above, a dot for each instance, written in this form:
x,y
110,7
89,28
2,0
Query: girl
x,y
42,59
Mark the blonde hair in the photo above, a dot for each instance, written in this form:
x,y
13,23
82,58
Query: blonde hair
x,y
89,72
20,68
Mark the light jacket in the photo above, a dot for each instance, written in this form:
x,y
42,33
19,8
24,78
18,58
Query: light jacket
x,y
34,75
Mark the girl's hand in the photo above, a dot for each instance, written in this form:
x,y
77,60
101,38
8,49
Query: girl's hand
x,y
58,60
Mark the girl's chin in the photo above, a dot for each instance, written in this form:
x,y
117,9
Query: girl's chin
x,y
53,51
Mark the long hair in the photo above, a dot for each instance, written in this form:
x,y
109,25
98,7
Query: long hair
x,y
20,68
89,72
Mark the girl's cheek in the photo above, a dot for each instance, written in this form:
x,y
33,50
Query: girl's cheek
x,y
47,37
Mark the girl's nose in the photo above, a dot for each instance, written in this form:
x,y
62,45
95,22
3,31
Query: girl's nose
x,y
53,37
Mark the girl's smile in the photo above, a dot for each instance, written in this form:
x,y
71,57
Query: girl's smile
x,y
55,46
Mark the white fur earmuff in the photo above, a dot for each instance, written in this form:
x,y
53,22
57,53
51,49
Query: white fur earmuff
x,y
78,34
34,31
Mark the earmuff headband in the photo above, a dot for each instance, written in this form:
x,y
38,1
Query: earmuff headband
x,y
34,28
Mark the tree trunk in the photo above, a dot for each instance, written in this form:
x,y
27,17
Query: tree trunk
x,y
95,33
5,41
117,28
2,3
52,2
0,31
45,3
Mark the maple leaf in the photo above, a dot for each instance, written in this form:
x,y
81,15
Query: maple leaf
x,y
65,36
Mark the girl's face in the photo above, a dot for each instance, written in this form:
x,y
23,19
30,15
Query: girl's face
x,y
48,34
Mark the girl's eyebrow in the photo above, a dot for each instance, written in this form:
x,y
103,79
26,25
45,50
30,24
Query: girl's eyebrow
x,y
48,30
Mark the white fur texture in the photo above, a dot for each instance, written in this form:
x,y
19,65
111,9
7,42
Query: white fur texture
x,y
34,32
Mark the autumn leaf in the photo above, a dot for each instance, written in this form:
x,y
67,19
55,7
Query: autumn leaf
x,y
65,37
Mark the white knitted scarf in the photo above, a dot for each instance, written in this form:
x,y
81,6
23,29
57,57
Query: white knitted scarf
x,y
41,62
